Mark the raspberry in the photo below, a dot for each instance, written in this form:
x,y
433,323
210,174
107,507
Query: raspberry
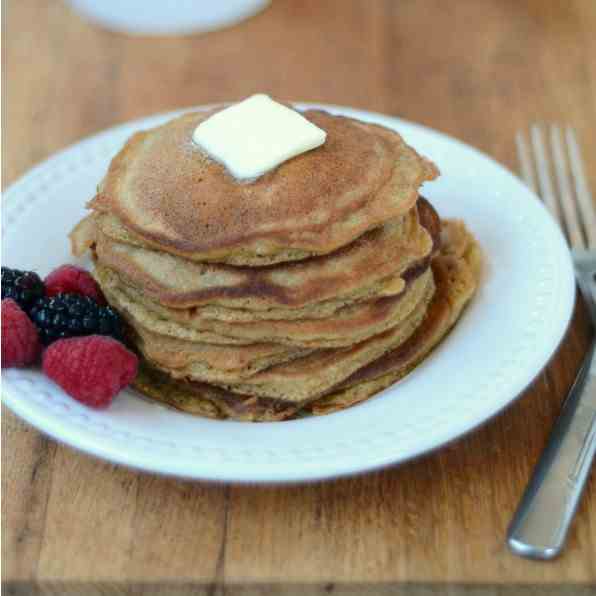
x,y
20,342
69,279
92,369
24,287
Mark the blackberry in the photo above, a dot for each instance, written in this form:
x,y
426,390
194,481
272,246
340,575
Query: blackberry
x,y
73,315
24,287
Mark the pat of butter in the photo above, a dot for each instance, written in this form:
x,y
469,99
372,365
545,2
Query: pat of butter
x,y
256,135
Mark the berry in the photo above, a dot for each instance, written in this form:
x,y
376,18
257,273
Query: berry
x,y
91,369
72,315
24,287
69,279
20,342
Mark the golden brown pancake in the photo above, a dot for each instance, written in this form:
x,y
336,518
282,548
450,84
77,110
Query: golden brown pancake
x,y
83,236
208,401
162,191
369,267
456,273
304,377
211,362
349,325
303,291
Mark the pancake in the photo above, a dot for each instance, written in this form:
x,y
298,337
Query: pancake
x,y
369,267
211,362
207,401
159,386
83,236
305,377
161,191
303,291
456,272
349,325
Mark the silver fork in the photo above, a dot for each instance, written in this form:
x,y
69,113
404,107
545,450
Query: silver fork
x,y
541,522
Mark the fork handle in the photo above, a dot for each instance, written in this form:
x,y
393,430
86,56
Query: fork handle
x,y
541,522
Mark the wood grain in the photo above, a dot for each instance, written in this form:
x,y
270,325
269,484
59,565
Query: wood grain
x,y
477,69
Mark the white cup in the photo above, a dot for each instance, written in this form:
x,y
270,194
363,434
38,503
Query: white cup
x,y
167,17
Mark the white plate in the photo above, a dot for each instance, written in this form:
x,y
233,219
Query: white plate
x,y
504,339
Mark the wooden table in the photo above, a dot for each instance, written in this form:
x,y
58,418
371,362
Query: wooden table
x,y
477,69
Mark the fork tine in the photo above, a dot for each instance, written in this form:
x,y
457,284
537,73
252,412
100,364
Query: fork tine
x,y
525,161
566,200
584,198
544,175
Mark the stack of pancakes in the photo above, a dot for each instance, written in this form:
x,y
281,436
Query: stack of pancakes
x,y
305,290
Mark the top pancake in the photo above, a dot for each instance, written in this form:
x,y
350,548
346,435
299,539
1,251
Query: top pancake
x,y
162,191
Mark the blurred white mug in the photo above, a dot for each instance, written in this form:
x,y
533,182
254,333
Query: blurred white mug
x,y
167,17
